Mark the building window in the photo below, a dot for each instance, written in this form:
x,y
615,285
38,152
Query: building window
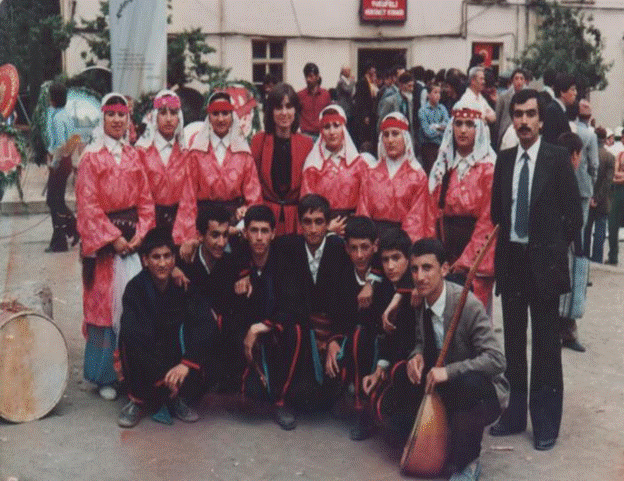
x,y
267,56
492,52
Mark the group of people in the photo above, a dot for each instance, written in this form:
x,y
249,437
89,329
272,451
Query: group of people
x,y
294,267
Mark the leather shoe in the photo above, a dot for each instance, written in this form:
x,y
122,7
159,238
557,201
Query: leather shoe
x,y
184,412
573,344
285,418
363,429
501,429
544,444
130,415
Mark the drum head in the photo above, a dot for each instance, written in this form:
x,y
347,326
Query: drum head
x,y
34,366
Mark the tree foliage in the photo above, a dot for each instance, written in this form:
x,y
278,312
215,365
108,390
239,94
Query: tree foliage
x,y
32,37
567,41
186,51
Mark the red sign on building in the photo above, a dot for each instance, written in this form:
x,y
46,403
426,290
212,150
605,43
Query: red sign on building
x,y
383,10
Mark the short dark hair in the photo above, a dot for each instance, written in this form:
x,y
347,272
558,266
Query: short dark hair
x,y
601,133
571,142
270,79
310,68
214,212
155,238
429,245
549,77
418,72
116,100
518,70
274,100
563,82
395,238
429,75
432,85
311,203
361,227
58,94
405,77
260,213
526,94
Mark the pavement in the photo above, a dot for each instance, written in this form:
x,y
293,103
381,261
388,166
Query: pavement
x,y
80,439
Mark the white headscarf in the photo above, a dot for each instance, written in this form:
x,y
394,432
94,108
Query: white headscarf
x,y
238,143
152,124
316,157
409,154
448,159
98,134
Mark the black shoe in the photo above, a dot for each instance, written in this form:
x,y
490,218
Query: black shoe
x,y
285,418
363,429
544,444
573,344
57,247
501,429
184,412
130,415
75,238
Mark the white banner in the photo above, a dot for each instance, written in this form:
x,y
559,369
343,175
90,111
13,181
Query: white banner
x,y
138,30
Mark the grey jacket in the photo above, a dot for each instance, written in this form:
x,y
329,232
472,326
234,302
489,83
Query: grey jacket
x,y
474,346
588,168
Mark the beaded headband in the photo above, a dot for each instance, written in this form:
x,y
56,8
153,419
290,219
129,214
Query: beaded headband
x,y
466,113
168,101
115,108
393,122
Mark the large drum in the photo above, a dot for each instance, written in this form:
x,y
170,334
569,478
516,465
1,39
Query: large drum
x,y
34,366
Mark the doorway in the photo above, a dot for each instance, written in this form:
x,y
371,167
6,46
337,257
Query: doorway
x,y
382,58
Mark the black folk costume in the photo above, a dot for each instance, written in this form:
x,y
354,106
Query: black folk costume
x,y
160,330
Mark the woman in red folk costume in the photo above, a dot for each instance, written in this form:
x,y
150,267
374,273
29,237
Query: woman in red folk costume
x,y
334,168
394,191
161,150
114,212
220,170
279,153
460,183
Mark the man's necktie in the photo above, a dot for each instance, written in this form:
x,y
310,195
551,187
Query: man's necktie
x,y
430,353
522,202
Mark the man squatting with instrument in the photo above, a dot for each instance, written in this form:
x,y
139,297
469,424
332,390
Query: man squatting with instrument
x,y
470,383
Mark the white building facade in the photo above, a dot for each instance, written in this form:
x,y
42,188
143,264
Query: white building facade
x,y
281,36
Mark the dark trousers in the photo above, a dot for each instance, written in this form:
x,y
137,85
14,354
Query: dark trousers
x,y
63,220
598,222
615,220
429,155
276,358
363,359
142,382
546,388
471,405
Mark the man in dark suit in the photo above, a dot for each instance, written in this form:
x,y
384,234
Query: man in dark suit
x,y
536,202
555,119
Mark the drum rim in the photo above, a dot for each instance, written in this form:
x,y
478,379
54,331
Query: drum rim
x,y
4,320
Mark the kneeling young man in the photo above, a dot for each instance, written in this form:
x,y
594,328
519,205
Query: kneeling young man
x,y
471,383
164,338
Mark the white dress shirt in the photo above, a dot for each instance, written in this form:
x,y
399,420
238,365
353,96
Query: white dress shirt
x,y
532,153
202,259
164,147
219,146
314,260
114,146
437,318
335,157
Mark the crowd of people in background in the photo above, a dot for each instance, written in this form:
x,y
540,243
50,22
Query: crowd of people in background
x,y
327,252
